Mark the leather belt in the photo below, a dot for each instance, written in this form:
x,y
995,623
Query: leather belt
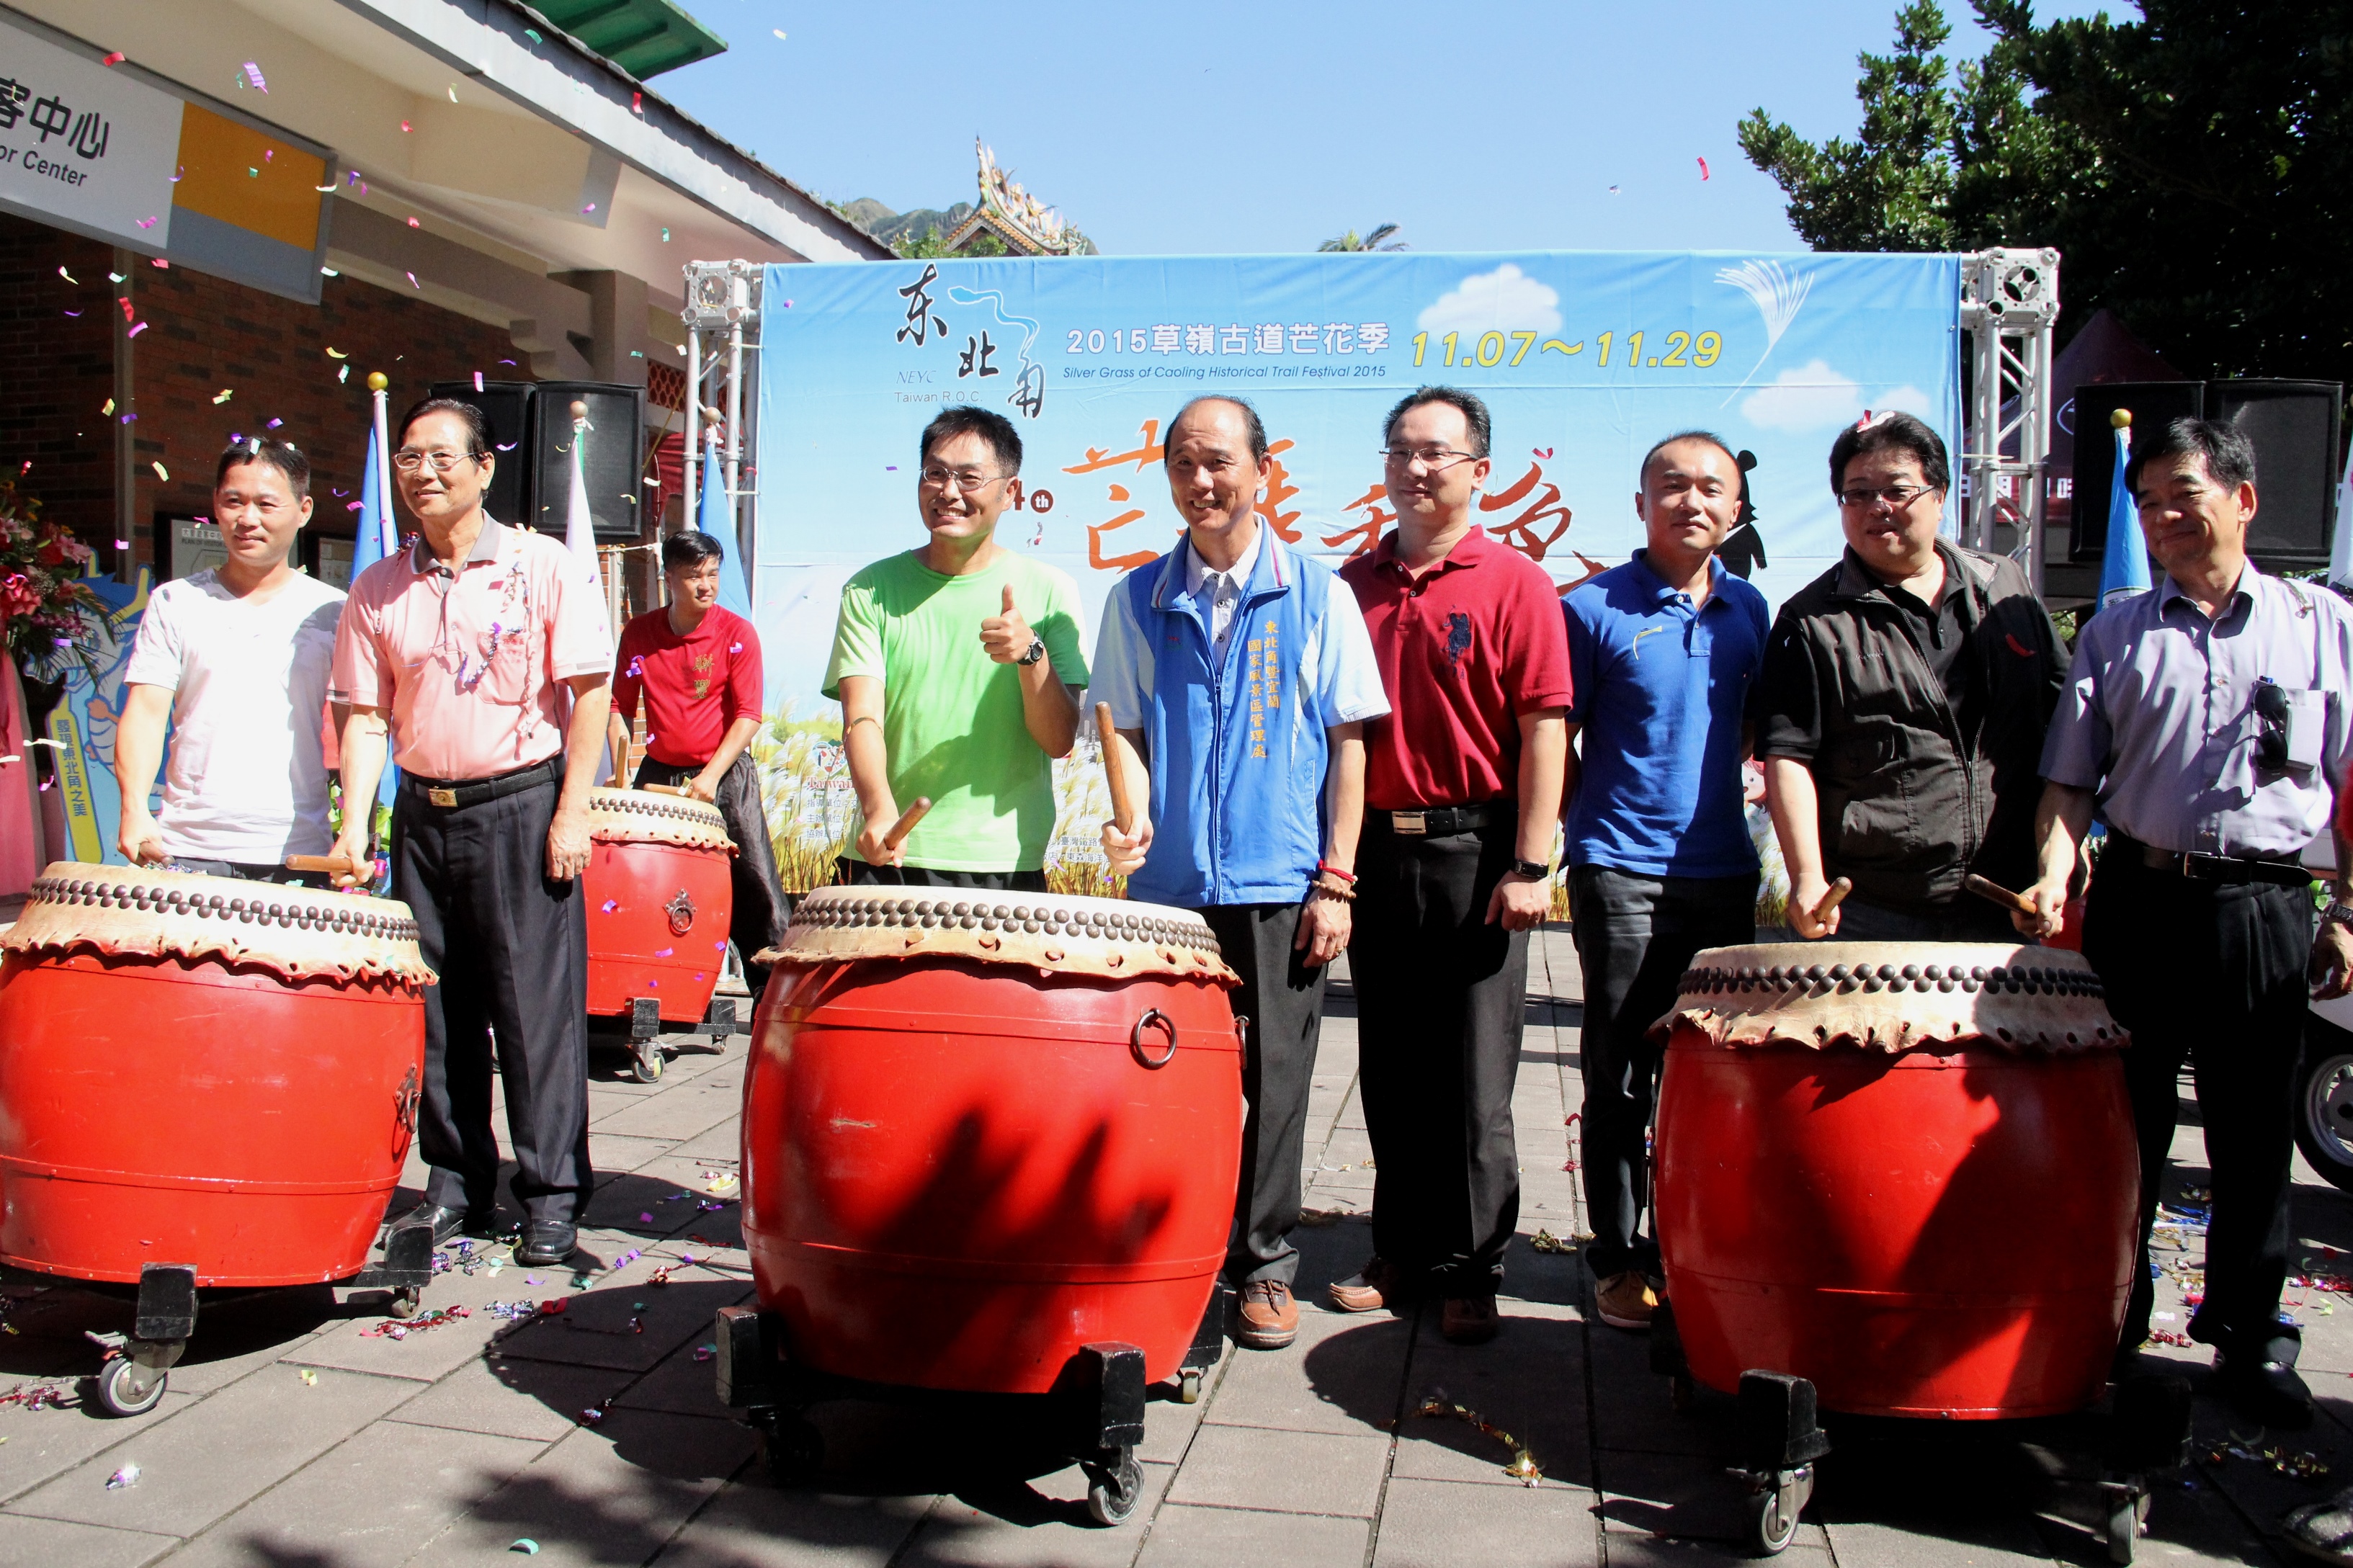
x,y
2229,869
1435,821
473,791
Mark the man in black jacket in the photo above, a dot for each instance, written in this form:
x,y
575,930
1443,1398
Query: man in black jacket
x,y
1902,707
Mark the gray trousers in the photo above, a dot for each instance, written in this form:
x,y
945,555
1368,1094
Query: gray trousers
x,y
1283,999
1441,1000
512,949
1635,937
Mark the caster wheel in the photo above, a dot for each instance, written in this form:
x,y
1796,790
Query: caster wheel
x,y
1769,1514
2127,1516
1683,1394
120,1391
647,1066
1188,1386
796,1449
404,1303
1114,1492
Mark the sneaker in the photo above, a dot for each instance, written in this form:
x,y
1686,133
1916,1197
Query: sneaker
x,y
1269,1316
1625,1300
1369,1289
2322,1530
1468,1320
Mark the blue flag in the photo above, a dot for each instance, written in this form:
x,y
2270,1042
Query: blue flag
x,y
2124,564
717,520
366,551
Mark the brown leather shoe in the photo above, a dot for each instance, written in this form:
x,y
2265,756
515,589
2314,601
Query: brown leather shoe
x,y
1371,1288
1269,1316
1625,1300
1468,1320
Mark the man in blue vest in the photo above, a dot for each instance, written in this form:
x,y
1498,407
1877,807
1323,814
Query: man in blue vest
x,y
1239,677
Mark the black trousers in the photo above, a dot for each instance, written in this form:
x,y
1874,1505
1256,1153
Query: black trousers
x,y
758,922
1282,998
1635,937
2211,975
1441,1000
512,949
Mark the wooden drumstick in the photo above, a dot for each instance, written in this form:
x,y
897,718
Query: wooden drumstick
x,y
1123,806
663,789
332,865
1994,892
1832,898
906,823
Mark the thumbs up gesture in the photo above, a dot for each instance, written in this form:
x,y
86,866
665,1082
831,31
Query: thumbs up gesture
x,y
1005,634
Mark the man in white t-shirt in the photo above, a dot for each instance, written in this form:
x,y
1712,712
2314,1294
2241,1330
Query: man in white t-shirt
x,y
235,658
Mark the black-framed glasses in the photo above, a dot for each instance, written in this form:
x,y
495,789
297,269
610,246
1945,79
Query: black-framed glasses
x,y
408,459
964,480
1430,457
1898,497
2271,726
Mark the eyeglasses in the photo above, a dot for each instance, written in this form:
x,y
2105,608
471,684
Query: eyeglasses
x,y
409,458
1898,497
965,479
1430,457
2271,726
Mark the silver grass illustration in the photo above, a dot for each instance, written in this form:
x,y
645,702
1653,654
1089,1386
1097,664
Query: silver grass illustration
x,y
1778,294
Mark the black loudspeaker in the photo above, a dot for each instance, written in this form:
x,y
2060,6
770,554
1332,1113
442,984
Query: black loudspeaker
x,y
2293,426
506,405
611,460
2153,404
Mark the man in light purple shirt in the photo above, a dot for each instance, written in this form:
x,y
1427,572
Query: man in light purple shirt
x,y
2207,723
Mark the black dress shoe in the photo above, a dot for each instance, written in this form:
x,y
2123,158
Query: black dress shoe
x,y
2262,1384
548,1242
445,1222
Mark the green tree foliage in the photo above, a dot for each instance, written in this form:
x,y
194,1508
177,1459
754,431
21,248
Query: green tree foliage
x,y
2192,166
1378,240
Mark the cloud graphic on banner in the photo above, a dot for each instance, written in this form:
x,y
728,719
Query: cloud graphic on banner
x,y
1816,397
1507,300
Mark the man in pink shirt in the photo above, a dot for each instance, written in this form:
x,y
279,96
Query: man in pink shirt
x,y
459,649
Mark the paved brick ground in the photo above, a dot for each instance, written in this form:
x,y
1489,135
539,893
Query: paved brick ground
x,y
297,1436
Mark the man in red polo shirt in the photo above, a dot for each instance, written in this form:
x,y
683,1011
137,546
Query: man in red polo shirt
x,y
1462,797
698,667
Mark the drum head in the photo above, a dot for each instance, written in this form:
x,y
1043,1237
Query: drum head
x,y
1067,935
640,817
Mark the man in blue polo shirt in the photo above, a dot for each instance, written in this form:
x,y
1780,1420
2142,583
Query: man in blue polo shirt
x,y
1663,652
1240,676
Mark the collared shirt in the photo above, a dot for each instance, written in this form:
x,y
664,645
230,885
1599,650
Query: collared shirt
x,y
694,686
2158,716
1661,690
470,663
1225,590
1465,650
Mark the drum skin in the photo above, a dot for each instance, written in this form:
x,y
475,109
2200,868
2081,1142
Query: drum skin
x,y
171,1110
957,1173
1929,1234
636,945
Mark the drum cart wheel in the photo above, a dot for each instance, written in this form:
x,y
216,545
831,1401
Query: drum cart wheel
x,y
139,1364
1780,1441
1097,1405
1209,1344
2148,1434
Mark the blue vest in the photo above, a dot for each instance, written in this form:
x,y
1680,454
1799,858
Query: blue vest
x,y
1237,762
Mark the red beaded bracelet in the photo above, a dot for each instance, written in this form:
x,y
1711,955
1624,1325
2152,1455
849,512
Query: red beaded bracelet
x,y
1324,867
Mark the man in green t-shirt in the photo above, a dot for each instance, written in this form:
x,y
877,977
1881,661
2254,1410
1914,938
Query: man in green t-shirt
x,y
950,690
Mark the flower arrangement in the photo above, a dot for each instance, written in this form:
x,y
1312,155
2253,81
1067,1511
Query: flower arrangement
x,y
43,607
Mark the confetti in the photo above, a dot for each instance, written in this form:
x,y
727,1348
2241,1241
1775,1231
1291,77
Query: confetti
x,y
161,472
478,381
343,375
309,1378
132,333
779,32
128,1475
533,34
612,904
157,261
1545,1241
524,1544
453,92
406,126
589,208
122,545
1702,168
413,224
253,75
273,424
413,283
110,406
325,190
1613,190
223,395
115,58
637,103
73,312
665,237
68,277
251,173
114,278
148,221
1523,1468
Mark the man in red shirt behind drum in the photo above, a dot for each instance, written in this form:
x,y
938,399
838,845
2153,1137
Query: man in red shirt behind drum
x,y
699,669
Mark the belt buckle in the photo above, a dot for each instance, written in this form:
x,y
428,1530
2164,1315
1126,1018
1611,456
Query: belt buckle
x,y
441,796
1409,822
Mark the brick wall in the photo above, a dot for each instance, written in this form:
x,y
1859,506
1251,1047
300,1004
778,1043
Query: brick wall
x,y
203,334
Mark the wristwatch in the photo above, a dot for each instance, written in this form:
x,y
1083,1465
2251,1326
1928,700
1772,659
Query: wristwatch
x,y
1533,870
1037,651
2338,911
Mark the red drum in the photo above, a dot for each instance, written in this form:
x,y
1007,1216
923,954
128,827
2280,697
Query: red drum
x,y
200,1070
981,1130
1907,1172
660,902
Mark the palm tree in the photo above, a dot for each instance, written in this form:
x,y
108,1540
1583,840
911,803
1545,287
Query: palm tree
x,y
1377,241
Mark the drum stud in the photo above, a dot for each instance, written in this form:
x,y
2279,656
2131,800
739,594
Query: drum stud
x,y
963,909
1871,983
1886,971
1063,916
968,922
1911,972
1947,983
1838,972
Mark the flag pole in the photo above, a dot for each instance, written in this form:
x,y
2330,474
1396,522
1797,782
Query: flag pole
x,y
387,531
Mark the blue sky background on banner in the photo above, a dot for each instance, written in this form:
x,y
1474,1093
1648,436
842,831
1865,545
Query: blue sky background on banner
x,y
1585,357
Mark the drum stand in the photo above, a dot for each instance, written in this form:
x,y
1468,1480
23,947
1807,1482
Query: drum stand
x,y
164,1318
1098,1400
2146,1435
647,1057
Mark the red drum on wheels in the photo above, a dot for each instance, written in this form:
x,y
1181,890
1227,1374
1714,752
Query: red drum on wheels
x,y
199,1071
660,902
981,1130
1905,1171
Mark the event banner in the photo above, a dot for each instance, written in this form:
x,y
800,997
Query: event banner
x,y
1586,359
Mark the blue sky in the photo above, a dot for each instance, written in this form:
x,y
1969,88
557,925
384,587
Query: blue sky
x,y
1251,127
